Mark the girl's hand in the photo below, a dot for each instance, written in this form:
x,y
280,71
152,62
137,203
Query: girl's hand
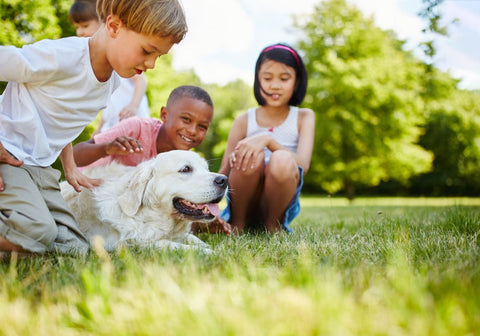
x,y
247,151
9,159
77,180
127,112
124,145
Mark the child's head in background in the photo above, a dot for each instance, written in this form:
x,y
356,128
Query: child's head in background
x,y
282,53
83,16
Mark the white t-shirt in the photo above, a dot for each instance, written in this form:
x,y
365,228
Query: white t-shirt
x,y
285,134
52,94
119,99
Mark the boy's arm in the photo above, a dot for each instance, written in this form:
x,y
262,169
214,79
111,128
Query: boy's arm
x,y
7,158
87,152
72,174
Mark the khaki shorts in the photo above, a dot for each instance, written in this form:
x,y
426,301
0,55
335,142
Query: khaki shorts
x,y
33,213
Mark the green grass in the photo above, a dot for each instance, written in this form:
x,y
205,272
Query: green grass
x,y
376,266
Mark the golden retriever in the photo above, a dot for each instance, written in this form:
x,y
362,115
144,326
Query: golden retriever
x,y
152,204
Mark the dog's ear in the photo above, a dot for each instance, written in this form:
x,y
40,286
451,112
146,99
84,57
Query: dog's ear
x,y
131,195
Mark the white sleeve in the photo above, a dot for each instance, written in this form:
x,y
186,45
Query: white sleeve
x,y
32,63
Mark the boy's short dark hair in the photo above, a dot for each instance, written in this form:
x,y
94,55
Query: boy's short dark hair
x,y
163,18
283,53
82,11
190,91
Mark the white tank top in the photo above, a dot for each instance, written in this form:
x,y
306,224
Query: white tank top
x,y
285,134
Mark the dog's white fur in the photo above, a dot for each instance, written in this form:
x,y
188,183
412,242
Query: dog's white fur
x,y
134,205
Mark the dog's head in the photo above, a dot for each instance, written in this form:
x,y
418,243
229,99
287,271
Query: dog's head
x,y
178,182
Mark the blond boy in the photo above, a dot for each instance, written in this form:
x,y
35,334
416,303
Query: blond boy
x,y
55,88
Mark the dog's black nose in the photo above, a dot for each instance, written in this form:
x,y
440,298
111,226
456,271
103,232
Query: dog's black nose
x,y
221,181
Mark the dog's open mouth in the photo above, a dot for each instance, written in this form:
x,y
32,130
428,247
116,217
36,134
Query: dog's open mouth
x,y
196,211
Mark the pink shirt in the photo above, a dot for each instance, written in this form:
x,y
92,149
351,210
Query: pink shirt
x,y
144,130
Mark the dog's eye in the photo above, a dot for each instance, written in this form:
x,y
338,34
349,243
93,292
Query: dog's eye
x,y
186,169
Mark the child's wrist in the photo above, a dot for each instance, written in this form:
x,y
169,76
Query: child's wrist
x,y
106,149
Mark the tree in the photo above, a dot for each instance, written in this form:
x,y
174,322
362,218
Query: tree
x,y
453,135
453,121
364,89
431,12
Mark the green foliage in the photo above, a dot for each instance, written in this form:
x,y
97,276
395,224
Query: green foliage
x,y
366,268
365,91
61,8
431,12
452,133
26,21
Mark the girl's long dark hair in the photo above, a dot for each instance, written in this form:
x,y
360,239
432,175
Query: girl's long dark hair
x,y
285,54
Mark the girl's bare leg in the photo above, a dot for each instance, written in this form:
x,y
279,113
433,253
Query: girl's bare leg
x,y
244,189
281,181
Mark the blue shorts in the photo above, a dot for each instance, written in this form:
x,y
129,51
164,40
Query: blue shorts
x,y
292,211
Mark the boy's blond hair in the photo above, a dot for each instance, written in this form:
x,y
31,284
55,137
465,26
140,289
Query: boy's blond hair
x,y
164,18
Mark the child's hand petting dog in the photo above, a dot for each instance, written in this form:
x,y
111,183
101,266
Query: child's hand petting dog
x,y
77,180
124,145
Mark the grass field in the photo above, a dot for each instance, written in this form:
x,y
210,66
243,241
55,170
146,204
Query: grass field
x,y
377,266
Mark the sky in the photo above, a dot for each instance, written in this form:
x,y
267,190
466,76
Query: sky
x,y
226,36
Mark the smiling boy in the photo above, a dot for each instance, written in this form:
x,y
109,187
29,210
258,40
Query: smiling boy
x,y
183,125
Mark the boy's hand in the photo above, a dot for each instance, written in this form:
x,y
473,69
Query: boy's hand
x,y
124,145
77,180
74,176
9,159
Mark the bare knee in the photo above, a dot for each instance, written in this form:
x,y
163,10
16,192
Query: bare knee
x,y
282,166
256,169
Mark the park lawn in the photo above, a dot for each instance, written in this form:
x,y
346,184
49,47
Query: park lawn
x,y
374,266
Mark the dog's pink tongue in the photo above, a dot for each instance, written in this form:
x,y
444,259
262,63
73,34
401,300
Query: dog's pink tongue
x,y
214,209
